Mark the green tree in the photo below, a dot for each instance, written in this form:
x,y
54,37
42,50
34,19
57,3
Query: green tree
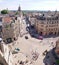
x,y
4,11
24,13
57,61
16,13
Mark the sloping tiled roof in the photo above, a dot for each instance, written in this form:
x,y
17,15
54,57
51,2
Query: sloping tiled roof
x,y
7,19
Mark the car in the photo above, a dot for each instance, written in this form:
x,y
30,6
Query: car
x,y
26,37
15,51
40,37
32,35
27,29
35,35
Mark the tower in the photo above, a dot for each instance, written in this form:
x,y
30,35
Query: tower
x,y
19,11
19,8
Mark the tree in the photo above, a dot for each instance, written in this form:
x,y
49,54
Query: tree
x,y
24,13
57,61
4,11
16,13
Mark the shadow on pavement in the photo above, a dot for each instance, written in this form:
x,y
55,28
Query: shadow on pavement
x,y
50,57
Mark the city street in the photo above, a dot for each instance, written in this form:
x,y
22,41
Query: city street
x,y
30,45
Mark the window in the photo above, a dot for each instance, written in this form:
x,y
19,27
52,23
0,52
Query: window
x,y
56,28
52,22
47,23
57,21
42,22
41,29
41,25
49,29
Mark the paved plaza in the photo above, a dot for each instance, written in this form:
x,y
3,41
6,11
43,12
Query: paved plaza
x,y
29,47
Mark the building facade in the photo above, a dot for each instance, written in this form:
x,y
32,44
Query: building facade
x,y
11,25
10,29
47,25
6,57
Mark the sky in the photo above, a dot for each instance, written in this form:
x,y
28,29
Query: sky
x,y
30,4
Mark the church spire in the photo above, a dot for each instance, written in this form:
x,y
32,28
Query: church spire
x,y
19,8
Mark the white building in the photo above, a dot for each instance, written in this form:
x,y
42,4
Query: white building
x,y
5,54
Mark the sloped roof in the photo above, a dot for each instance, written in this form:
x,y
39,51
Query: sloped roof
x,y
7,19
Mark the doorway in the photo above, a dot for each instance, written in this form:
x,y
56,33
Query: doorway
x,y
55,33
41,33
51,33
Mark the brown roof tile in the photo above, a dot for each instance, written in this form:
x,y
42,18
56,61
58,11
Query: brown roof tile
x,y
7,19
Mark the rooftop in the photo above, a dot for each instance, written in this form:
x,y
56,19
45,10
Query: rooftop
x,y
7,19
46,15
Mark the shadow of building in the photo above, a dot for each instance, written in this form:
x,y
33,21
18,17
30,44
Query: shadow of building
x,y
52,56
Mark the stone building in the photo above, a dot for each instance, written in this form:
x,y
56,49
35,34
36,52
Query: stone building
x,y
6,57
22,26
47,24
32,20
12,25
10,29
